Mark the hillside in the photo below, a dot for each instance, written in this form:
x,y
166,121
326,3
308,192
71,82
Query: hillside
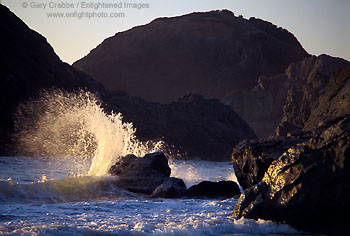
x,y
215,54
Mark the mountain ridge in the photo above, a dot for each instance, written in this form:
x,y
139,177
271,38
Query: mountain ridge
x,y
207,35
212,53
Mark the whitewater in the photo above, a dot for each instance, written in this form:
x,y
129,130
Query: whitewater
x,y
61,186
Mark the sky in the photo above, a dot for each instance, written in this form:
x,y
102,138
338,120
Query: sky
x,y
321,26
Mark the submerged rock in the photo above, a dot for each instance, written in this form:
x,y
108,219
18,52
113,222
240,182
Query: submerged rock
x,y
141,174
210,189
307,186
170,188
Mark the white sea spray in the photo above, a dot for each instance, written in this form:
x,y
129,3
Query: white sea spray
x,y
74,125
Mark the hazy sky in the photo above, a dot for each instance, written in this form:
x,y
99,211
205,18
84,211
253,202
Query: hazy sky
x,y
321,26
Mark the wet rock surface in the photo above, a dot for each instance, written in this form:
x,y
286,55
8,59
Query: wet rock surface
x,y
141,174
150,175
300,176
307,186
251,159
170,188
208,189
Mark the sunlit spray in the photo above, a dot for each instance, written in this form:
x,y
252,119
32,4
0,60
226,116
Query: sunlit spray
x,y
74,125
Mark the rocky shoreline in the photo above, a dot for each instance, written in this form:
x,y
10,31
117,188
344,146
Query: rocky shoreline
x,y
150,175
300,176
301,180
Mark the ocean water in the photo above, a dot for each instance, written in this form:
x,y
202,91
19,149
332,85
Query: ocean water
x,y
40,196
62,187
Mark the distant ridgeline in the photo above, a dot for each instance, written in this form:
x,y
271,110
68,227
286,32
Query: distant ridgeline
x,y
214,54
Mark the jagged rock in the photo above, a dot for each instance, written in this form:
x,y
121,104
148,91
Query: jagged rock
x,y
320,92
305,94
170,188
302,179
209,189
141,174
196,127
214,54
308,185
28,64
251,159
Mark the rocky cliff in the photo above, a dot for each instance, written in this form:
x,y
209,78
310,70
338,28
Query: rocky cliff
x,y
290,99
214,54
320,92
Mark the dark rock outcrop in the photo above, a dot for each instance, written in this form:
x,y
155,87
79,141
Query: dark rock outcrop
x,y
209,189
170,188
290,97
28,64
150,175
251,159
193,125
141,174
308,185
262,106
214,54
302,178
320,92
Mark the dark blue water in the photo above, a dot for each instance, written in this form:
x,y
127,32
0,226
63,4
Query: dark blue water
x,y
44,196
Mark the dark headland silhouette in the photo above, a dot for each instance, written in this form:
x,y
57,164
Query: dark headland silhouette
x,y
215,54
299,175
